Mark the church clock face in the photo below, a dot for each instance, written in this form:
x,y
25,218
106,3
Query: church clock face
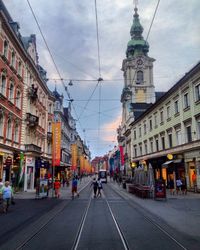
x,y
139,62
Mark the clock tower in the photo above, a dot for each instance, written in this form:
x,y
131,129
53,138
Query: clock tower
x,y
138,72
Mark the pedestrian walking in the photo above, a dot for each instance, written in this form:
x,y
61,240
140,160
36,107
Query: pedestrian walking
x,y
99,187
95,187
171,186
57,188
74,187
178,185
63,181
184,186
7,195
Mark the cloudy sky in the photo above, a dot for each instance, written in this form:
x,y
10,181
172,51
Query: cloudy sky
x,y
69,27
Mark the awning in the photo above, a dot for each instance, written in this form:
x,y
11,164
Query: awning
x,y
166,164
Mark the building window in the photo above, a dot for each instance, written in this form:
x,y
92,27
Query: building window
x,y
188,134
135,134
13,58
168,112
151,146
140,149
19,68
140,77
150,124
176,107
135,150
145,128
1,124
178,137
155,120
16,133
198,129
5,48
163,142
186,101
57,105
11,92
161,117
3,85
146,148
197,92
18,99
170,140
9,129
157,144
50,107
140,132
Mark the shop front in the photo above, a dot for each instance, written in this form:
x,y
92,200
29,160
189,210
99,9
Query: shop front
x,y
192,165
29,176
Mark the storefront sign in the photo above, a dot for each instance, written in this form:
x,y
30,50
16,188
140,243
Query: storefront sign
x,y
56,131
30,161
170,156
43,188
160,189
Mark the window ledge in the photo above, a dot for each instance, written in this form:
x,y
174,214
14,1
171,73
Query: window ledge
x,y
197,102
161,123
187,108
168,119
177,114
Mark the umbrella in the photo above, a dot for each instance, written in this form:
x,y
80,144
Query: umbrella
x,y
150,178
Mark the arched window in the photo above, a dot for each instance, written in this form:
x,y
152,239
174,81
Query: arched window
x,y
20,68
18,99
11,92
16,133
13,58
1,123
9,129
140,77
3,85
5,48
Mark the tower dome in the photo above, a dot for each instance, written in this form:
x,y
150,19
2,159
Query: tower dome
x,y
137,45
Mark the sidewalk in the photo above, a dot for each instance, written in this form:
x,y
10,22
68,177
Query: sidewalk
x,y
65,192
179,211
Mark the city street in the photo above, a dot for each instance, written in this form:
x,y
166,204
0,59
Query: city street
x,y
117,220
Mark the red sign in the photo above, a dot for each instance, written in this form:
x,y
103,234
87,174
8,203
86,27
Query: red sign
x,y
56,131
121,155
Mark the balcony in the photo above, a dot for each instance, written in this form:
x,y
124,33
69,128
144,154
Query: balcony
x,y
33,93
49,136
32,120
33,148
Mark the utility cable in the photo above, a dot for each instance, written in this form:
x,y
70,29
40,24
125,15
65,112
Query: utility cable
x,y
58,72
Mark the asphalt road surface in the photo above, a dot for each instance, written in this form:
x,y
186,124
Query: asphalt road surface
x,y
107,222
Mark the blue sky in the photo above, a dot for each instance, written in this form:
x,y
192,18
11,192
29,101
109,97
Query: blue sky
x,y
70,30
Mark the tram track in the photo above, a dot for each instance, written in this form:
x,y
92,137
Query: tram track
x,y
136,207
40,224
82,222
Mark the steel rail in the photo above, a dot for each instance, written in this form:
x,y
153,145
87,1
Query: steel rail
x,y
78,235
123,239
150,220
46,223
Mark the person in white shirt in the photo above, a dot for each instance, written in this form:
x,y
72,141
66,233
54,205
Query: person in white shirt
x,y
7,195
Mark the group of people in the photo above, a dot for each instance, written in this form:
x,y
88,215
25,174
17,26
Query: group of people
x,y
180,186
97,186
96,183
6,195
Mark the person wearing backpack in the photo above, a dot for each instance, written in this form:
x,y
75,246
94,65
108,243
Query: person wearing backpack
x,y
95,186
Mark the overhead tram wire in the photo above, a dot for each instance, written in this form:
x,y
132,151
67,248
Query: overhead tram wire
x,y
58,72
99,64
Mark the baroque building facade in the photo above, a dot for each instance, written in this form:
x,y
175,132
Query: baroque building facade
x,y
26,107
161,129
